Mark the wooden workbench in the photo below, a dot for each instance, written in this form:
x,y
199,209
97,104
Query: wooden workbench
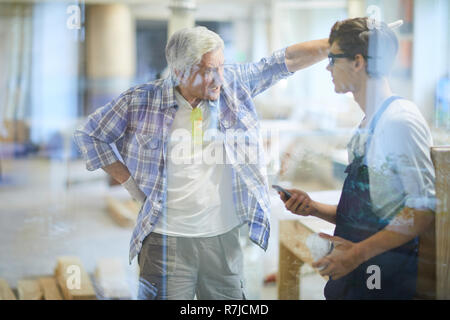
x,y
294,253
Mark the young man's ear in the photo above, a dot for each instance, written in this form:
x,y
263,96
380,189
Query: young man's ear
x,y
359,62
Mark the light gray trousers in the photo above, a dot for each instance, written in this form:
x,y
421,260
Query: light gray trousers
x,y
180,268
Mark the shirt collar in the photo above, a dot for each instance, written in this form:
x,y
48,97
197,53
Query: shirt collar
x,y
168,94
182,102
169,98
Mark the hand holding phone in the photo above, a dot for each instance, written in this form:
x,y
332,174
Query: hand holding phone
x,y
298,202
287,194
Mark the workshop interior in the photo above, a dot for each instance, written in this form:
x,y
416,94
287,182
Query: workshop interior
x,y
60,61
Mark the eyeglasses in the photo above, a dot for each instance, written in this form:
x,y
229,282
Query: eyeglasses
x,y
332,57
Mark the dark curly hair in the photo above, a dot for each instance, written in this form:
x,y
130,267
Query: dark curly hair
x,y
377,44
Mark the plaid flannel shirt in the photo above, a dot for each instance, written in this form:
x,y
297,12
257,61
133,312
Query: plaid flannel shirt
x,y
138,122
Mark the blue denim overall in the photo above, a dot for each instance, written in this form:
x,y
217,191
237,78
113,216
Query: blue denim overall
x,y
356,221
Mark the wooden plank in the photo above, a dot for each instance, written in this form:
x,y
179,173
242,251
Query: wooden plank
x,y
293,236
426,272
110,279
29,290
50,288
288,280
294,253
441,159
5,291
316,225
73,279
124,213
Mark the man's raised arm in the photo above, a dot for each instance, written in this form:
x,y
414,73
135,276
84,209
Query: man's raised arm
x,y
305,54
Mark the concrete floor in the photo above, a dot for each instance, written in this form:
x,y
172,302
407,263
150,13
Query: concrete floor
x,y
42,218
51,209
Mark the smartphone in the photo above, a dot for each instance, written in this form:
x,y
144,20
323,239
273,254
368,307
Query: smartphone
x,y
287,194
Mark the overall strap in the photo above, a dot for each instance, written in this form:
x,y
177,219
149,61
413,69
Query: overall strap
x,y
374,122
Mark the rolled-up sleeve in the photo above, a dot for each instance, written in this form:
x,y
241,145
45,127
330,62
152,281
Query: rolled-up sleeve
x,y
102,128
261,75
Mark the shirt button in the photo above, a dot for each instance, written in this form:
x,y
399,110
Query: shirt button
x,y
154,143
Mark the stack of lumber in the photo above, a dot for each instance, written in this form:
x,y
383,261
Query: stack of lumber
x,y
29,290
73,279
44,288
72,282
50,288
5,291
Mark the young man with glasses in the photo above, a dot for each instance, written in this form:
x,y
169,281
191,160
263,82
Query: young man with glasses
x,y
388,197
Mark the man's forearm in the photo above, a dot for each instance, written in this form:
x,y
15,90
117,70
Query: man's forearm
x,y
305,54
121,174
407,225
118,171
325,211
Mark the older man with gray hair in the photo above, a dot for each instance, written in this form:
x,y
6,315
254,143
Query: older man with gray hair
x,y
187,233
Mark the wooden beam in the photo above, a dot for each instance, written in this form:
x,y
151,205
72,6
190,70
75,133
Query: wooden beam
x,y
5,291
441,160
288,280
293,235
294,253
73,280
50,288
426,272
29,290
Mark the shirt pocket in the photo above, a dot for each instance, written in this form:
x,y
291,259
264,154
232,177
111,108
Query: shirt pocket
x,y
148,146
147,141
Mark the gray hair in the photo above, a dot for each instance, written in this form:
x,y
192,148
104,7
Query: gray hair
x,y
186,47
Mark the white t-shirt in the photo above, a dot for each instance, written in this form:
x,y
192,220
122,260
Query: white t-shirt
x,y
399,160
199,199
